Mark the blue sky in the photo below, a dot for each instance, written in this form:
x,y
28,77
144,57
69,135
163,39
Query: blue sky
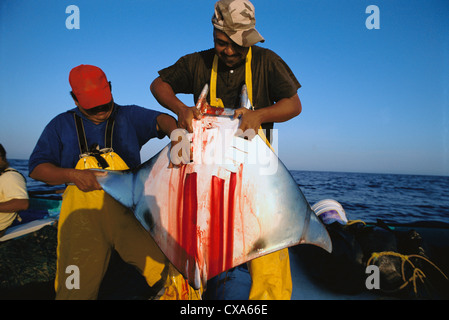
x,y
373,100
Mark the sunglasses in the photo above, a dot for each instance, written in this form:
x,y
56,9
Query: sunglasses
x,y
103,108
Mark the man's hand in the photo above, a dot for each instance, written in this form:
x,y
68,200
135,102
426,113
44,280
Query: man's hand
x,y
283,110
86,180
185,117
249,122
165,95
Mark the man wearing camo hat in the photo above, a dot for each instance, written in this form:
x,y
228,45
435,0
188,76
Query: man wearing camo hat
x,y
236,60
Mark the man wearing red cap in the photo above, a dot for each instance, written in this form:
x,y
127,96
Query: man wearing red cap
x,y
91,223
272,90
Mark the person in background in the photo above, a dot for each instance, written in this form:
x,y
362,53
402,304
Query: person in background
x,y
13,193
272,89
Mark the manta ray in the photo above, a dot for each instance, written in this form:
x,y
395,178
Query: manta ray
x,y
232,202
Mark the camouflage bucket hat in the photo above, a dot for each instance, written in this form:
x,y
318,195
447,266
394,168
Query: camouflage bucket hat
x,y
236,18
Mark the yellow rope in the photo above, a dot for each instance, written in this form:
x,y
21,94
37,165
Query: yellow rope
x,y
417,273
351,222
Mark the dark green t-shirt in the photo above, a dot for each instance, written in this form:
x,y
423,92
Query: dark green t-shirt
x,y
272,78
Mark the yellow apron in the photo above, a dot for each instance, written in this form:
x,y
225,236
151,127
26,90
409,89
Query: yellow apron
x,y
270,274
91,224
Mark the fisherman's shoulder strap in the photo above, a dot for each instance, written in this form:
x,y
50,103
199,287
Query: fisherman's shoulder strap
x,y
82,141
216,102
12,170
108,132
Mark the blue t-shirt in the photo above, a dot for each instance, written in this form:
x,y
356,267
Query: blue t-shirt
x,y
58,144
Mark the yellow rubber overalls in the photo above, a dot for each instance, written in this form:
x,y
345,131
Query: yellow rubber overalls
x,y
270,274
92,223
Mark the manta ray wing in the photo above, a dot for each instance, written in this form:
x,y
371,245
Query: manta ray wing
x,y
235,202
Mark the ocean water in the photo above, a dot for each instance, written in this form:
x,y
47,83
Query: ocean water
x,y
393,198
32,185
364,196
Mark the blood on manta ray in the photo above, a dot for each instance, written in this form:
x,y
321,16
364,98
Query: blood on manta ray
x,y
234,202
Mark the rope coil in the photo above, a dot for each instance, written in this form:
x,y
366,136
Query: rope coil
x,y
416,274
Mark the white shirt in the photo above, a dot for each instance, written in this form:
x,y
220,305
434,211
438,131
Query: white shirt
x,y
12,186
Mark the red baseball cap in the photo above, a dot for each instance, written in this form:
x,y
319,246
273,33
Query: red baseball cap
x,y
90,86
